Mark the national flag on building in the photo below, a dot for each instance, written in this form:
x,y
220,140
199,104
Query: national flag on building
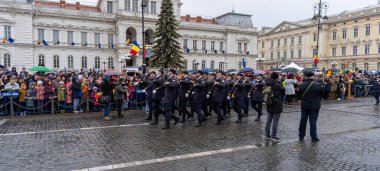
x,y
99,46
10,40
72,43
316,59
188,50
45,43
223,51
39,42
243,64
135,48
4,40
128,42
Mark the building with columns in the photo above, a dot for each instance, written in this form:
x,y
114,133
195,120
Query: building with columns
x,y
63,34
348,40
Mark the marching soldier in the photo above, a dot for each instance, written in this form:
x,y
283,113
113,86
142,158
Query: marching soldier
x,y
158,94
149,94
170,95
238,96
205,94
198,97
247,89
183,95
218,97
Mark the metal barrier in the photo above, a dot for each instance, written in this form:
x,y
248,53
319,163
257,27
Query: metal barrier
x,y
11,105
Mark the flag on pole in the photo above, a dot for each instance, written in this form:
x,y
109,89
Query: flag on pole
x,y
188,50
39,42
128,42
243,64
11,40
215,51
99,46
45,43
135,48
316,59
4,40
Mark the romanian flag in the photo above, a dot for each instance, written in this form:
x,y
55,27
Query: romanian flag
x,y
316,59
39,42
128,42
11,40
4,40
135,48
243,64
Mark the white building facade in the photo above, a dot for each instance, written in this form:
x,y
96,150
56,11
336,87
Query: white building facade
x,y
63,35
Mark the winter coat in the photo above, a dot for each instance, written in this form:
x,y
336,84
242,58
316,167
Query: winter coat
x,y
278,92
257,93
61,94
40,93
75,88
119,92
69,98
289,86
312,98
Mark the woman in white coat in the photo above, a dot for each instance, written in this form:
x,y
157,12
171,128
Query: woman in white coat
x,y
289,87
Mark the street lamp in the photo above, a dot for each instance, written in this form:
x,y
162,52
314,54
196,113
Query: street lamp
x,y
319,8
334,64
143,6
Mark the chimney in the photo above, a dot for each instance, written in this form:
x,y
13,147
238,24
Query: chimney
x,y
187,18
62,3
77,5
199,19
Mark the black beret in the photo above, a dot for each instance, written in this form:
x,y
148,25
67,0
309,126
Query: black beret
x,y
308,74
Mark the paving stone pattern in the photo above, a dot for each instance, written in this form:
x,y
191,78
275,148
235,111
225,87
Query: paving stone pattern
x,y
349,132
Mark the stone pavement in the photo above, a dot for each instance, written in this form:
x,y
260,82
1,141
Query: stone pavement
x,y
349,132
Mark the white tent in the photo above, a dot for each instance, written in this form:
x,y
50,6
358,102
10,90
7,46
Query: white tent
x,y
293,65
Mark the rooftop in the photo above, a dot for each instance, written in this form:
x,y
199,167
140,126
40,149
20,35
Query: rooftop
x,y
87,5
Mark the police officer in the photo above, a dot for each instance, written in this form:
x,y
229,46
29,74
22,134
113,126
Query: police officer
x,y
218,96
198,97
247,89
170,95
238,97
184,87
158,94
205,103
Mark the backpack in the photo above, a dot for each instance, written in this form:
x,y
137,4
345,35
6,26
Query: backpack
x,y
269,99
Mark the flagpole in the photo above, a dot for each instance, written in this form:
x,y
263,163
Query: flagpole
x,y
143,5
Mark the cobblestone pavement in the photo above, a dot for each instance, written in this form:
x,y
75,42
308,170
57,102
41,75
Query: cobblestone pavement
x,y
349,132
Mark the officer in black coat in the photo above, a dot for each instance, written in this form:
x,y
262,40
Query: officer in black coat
x,y
238,97
198,91
158,94
170,95
208,85
148,88
247,89
183,94
218,96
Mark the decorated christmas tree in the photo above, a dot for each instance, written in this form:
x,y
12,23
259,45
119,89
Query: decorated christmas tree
x,y
167,50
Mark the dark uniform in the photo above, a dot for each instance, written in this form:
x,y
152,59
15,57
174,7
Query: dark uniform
x,y
247,89
158,94
185,85
198,99
218,98
238,99
205,101
170,95
148,83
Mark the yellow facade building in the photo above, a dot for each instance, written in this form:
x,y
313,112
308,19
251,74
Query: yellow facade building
x,y
348,40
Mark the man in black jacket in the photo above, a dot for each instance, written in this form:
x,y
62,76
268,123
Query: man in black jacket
x,y
198,97
170,95
238,97
148,82
311,92
185,85
218,96
158,94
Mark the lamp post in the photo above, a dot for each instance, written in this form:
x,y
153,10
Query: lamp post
x,y
104,62
143,6
319,8
334,64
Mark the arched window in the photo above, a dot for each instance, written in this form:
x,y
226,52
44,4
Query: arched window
x,y
41,60
97,62
203,64
212,65
56,61
110,62
7,60
194,64
84,61
185,64
70,61
149,37
131,34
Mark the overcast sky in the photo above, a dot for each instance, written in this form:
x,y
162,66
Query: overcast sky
x,y
269,12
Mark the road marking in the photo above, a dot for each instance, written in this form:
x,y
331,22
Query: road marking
x,y
75,129
171,158
3,121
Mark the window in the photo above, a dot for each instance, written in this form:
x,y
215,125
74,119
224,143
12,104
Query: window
x,y
212,64
378,66
109,7
127,5
344,49
300,40
195,65
84,61
245,47
221,46
292,41
278,43
285,42
263,44
291,54
271,44
271,56
7,32
84,38
212,45
333,51
334,35
366,66
278,55
344,34
314,37
41,34
55,36
7,60
355,50
97,39
356,32
378,48
97,62
135,5
56,61
285,54
185,64
314,52
299,53
70,37
354,66
70,61
41,60
110,62
203,64
239,47
153,7
146,9
195,42
221,66
203,45
367,49
184,43
110,39
343,66
367,30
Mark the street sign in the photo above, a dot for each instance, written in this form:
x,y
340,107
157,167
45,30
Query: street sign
x,y
10,94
